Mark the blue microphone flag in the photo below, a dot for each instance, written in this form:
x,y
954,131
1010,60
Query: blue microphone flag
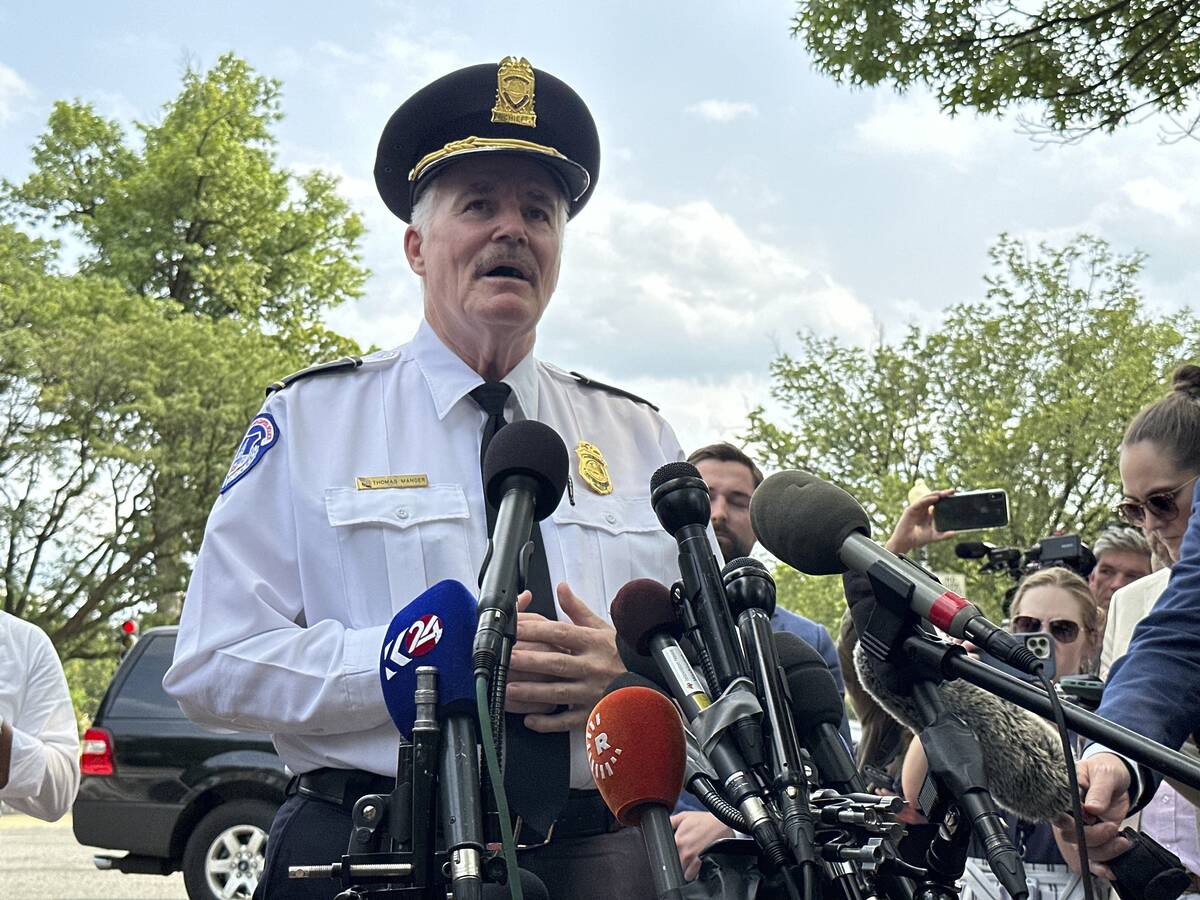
x,y
436,629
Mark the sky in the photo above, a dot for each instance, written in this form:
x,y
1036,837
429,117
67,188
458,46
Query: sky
x,y
743,197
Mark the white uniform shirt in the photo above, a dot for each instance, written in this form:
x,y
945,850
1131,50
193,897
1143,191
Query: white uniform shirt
x,y
300,573
44,773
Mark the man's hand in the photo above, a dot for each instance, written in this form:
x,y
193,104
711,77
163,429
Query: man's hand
x,y
915,528
694,831
561,664
1105,779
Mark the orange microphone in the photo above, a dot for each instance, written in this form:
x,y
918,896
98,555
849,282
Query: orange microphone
x,y
635,749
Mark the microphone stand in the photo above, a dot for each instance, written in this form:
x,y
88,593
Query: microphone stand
x,y
953,752
949,661
392,846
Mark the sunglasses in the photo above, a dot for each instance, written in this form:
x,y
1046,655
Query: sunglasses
x,y
1161,503
1062,630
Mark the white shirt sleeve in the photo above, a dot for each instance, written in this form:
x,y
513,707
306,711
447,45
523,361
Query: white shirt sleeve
x,y
44,773
244,658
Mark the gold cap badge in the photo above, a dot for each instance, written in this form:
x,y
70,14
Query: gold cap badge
x,y
514,93
592,468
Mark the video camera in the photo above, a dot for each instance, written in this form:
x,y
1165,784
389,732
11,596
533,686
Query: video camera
x,y
1065,550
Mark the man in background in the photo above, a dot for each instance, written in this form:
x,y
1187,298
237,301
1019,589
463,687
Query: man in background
x,y
1122,557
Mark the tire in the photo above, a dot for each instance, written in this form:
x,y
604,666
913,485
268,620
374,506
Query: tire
x,y
229,845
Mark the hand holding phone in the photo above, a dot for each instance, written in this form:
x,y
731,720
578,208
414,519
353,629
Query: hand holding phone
x,y
971,510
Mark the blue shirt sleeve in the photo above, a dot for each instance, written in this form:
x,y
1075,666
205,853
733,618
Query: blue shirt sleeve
x,y
1154,689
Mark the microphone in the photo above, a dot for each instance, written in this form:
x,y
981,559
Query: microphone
x,y
817,710
681,502
437,629
646,625
635,749
1022,754
524,474
819,529
751,593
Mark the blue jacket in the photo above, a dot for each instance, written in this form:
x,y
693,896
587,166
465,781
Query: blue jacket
x,y
1154,689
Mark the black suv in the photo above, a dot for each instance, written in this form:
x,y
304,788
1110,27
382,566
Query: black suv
x,y
172,794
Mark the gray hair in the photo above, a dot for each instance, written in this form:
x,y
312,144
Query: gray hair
x,y
422,211
1121,540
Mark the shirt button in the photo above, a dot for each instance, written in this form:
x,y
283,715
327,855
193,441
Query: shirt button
x,y
401,513
610,518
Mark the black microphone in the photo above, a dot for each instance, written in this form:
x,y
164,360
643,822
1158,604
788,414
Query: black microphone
x,y
524,474
751,594
645,620
817,710
819,529
681,502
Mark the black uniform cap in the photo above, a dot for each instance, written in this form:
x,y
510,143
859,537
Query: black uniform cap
x,y
510,108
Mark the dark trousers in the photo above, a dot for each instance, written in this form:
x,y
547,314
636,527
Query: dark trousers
x,y
311,832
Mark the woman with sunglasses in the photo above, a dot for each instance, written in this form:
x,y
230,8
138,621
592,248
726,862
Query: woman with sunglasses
x,y
1059,602
1160,463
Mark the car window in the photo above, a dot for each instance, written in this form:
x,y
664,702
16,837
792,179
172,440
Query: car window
x,y
142,695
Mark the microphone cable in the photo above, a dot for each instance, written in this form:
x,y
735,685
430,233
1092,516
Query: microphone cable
x,y
1060,722
507,843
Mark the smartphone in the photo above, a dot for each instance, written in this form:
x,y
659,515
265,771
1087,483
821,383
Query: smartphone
x,y
1040,644
971,510
1086,690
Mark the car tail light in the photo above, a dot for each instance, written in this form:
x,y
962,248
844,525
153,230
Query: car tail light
x,y
96,757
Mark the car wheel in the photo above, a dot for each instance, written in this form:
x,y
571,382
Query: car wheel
x,y
226,851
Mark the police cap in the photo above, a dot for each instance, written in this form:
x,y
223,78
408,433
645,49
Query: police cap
x,y
510,108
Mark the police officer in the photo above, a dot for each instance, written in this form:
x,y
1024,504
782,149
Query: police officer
x,y
358,486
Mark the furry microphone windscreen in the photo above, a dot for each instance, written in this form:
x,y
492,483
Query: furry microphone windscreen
x,y
1022,753
804,521
635,748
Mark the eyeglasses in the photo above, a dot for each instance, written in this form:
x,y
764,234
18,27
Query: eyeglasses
x,y
1161,503
1062,630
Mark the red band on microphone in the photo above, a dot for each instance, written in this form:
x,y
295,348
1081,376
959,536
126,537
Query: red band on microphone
x,y
945,608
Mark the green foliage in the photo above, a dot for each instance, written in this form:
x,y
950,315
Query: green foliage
x,y
128,377
1029,390
1089,64
87,680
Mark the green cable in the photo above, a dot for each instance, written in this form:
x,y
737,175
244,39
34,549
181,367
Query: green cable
x,y
507,843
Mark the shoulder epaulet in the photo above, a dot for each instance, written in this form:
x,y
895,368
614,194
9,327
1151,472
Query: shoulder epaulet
x,y
334,365
608,388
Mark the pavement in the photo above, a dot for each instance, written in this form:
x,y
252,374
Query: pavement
x,y
43,861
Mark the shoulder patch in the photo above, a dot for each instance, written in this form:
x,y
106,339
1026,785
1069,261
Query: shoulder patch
x,y
260,437
608,388
336,365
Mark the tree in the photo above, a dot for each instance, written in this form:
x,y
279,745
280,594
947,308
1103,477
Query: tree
x,y
128,376
1089,64
1029,390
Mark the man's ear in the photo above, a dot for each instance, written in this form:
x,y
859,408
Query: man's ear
x,y
412,249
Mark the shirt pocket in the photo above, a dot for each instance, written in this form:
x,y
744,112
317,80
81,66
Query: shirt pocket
x,y
393,544
608,541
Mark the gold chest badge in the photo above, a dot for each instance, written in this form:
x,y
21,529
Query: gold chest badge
x,y
592,468
514,93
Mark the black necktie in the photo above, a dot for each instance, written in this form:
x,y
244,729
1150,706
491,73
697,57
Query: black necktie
x,y
537,767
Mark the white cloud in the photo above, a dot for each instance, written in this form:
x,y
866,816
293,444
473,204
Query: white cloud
x,y
722,110
913,125
13,92
1153,196
650,291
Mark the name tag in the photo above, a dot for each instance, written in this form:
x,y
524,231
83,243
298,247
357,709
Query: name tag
x,y
380,482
